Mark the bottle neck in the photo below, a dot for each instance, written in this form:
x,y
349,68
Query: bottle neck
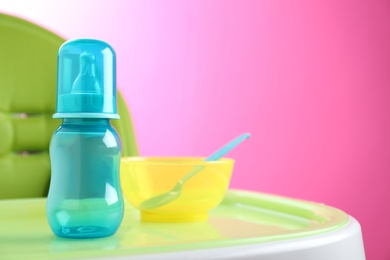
x,y
86,121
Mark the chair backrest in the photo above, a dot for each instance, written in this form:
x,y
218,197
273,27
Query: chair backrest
x,y
28,62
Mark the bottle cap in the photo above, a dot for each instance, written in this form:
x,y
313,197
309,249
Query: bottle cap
x,y
86,80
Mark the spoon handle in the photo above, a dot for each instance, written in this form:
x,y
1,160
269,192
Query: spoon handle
x,y
229,146
195,170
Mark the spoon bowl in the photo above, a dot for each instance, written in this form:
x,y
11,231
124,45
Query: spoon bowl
x,y
143,178
144,185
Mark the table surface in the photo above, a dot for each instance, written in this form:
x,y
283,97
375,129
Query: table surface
x,y
242,218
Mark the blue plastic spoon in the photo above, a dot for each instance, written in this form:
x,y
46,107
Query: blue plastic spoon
x,y
174,193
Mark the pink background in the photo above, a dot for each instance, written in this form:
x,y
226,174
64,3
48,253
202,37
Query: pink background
x,y
309,80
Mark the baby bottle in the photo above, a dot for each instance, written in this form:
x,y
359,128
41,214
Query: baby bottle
x,y
85,199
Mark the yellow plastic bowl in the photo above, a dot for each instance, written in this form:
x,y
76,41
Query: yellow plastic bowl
x,y
145,177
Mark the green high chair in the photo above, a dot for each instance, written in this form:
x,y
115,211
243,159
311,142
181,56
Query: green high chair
x,y
28,68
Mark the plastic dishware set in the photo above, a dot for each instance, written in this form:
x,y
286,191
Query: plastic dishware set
x,y
177,189
88,174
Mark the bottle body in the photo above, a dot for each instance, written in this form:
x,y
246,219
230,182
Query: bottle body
x,y
85,198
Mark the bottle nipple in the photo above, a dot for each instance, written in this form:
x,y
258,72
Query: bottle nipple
x,y
86,81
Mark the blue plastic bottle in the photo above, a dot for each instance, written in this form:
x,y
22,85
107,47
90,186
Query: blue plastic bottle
x,y
85,199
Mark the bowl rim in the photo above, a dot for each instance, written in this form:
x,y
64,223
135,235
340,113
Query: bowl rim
x,y
174,160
